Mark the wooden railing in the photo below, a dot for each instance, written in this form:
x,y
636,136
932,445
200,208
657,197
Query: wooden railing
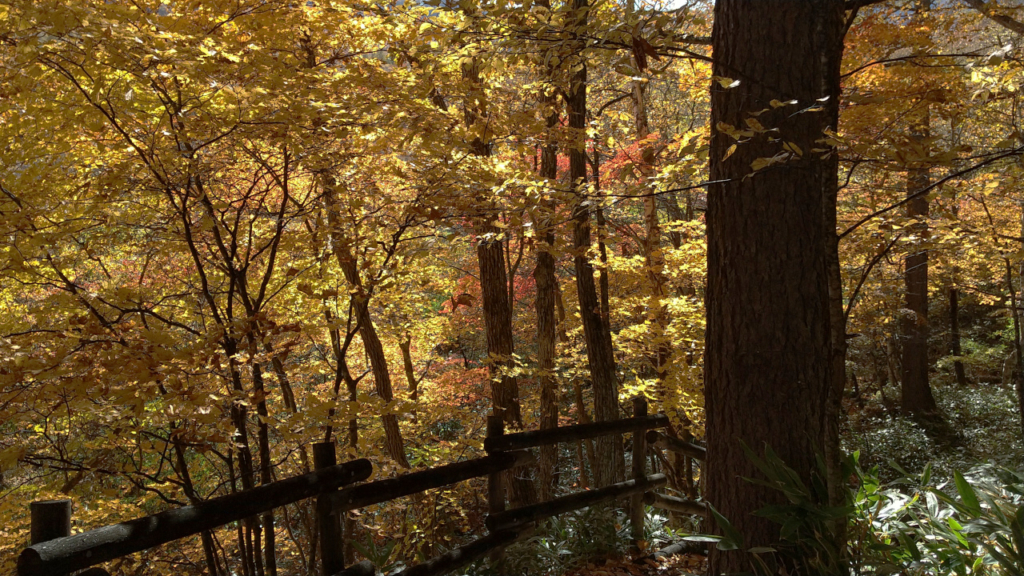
x,y
54,552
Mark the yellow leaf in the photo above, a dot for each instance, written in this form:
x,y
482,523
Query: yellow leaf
x,y
754,125
727,82
792,147
729,152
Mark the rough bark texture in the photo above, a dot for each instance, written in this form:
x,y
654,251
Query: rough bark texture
x,y
498,323
832,450
917,393
768,359
493,275
596,332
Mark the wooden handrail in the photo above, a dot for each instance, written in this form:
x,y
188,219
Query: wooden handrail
x,y
667,442
64,555
67,554
518,516
534,438
383,490
673,504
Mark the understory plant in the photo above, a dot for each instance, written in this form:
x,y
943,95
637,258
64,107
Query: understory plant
x,y
570,540
915,525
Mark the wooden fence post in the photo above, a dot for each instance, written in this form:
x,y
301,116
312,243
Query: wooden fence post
x,y
691,486
51,519
332,554
495,484
495,481
636,504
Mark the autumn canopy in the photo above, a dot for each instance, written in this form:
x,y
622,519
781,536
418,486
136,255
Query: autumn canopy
x,y
233,229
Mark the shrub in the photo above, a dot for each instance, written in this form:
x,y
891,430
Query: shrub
x,y
968,525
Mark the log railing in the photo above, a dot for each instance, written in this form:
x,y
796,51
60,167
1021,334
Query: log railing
x,y
660,440
65,554
54,552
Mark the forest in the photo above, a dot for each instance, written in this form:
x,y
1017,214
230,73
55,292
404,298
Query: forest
x,y
787,234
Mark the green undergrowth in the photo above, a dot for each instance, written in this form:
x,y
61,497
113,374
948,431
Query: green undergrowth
x,y
978,424
571,540
914,525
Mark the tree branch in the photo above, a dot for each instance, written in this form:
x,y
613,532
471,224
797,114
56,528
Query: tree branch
x,y
990,9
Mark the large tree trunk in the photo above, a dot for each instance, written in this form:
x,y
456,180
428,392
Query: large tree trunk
x,y
917,393
1018,336
596,332
769,364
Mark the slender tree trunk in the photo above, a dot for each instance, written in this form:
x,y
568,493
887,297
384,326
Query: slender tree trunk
x,y
244,551
584,455
493,274
659,348
596,332
917,392
342,374
304,509
393,443
410,373
604,290
498,326
769,361
497,305
190,492
1018,329
257,545
954,336
239,417
587,446
266,476
544,276
676,214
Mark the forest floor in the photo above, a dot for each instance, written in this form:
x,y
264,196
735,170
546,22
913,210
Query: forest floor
x,y
677,565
